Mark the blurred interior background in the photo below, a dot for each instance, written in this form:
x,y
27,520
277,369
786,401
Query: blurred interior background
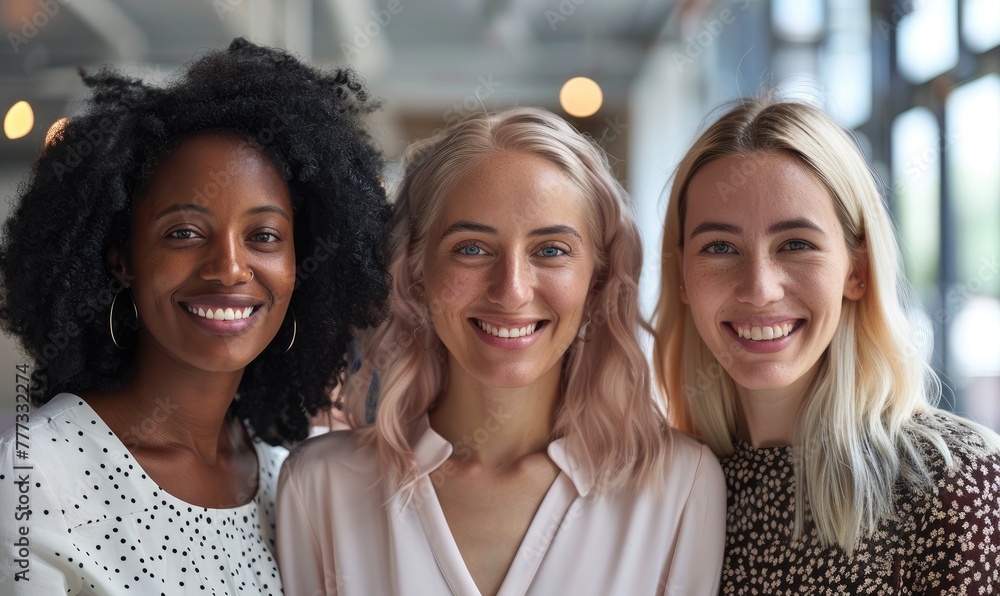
x,y
917,80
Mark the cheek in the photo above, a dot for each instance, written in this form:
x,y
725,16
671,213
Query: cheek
x,y
449,289
290,271
702,291
152,282
823,285
566,291
280,270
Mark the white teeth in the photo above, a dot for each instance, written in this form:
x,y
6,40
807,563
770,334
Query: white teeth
x,y
505,333
229,314
765,333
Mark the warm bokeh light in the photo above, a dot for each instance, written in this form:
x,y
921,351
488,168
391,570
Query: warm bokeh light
x,y
19,120
55,131
581,97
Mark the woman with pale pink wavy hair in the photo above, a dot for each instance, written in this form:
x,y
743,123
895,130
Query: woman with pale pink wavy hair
x,y
515,446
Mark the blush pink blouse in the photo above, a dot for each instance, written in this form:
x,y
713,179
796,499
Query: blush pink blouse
x,y
340,531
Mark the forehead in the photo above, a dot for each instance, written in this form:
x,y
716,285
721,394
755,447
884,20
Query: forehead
x,y
760,188
212,151
518,188
213,165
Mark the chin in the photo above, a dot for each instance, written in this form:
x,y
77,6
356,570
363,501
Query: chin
x,y
219,361
762,377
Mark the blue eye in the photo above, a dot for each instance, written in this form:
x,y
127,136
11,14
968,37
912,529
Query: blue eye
x,y
472,250
718,248
551,251
795,245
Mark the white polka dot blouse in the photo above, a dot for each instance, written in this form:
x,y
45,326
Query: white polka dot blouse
x,y
92,522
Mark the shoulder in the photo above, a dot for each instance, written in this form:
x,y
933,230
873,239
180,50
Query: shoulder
x,y
964,480
334,471
270,457
958,522
973,453
64,408
686,451
693,463
340,453
48,433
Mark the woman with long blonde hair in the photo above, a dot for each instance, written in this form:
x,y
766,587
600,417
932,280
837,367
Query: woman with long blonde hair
x,y
788,341
516,447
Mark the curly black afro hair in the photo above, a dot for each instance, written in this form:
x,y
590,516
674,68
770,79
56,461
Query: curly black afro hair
x,y
57,290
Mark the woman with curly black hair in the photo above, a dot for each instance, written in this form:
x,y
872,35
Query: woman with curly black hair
x,y
185,264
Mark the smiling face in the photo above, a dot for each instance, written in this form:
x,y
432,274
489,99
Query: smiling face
x,y
765,268
507,270
214,209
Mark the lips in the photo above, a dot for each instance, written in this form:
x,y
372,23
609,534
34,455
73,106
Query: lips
x,y
222,313
227,314
508,331
764,332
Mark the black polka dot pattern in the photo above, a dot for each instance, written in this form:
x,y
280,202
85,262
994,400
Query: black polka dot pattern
x,y
940,541
99,525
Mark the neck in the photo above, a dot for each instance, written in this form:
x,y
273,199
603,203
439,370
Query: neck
x,y
770,416
169,405
498,426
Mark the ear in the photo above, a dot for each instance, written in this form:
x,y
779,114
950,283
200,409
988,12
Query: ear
x,y
116,263
856,284
682,292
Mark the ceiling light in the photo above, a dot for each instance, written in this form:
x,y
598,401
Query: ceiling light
x,y
19,120
581,97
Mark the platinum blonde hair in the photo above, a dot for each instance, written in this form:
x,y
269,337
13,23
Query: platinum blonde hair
x,y
607,411
859,430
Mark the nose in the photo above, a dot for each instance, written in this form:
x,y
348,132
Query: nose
x,y
761,280
510,284
226,262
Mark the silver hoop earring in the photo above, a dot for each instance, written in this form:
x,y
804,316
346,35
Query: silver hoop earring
x,y
295,329
111,321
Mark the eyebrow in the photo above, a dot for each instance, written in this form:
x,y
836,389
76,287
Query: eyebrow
x,y
800,223
552,230
199,209
782,226
470,226
467,226
181,207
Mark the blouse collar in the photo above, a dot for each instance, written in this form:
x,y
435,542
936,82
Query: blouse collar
x,y
430,450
